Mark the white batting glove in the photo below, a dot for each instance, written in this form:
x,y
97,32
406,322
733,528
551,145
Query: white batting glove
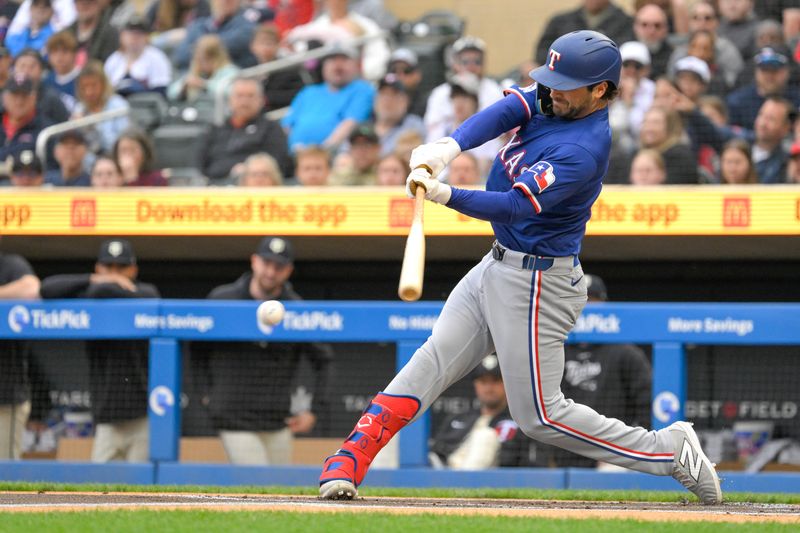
x,y
435,190
435,156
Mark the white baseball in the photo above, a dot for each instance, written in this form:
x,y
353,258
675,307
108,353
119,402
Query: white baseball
x,y
270,312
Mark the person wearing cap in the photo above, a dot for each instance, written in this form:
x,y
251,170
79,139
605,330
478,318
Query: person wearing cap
x,y
137,66
26,170
598,15
97,38
614,379
391,115
636,92
246,132
339,23
326,113
22,124
49,105
365,152
118,369
226,20
771,79
281,86
37,32
250,383
18,281
70,153
404,64
485,436
62,49
468,57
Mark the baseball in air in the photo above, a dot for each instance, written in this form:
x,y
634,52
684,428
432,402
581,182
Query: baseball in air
x,y
270,312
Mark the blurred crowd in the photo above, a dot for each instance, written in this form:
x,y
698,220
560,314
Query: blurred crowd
x,y
709,92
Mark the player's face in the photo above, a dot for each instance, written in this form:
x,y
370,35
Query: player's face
x,y
490,392
576,103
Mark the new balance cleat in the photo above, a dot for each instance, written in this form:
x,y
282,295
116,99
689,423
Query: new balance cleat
x,y
692,468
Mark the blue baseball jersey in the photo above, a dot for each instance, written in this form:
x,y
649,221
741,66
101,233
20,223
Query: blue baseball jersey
x,y
558,164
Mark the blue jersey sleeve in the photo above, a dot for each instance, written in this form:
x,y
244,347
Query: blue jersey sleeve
x,y
550,181
500,117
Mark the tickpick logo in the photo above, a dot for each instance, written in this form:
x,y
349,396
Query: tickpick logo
x,y
161,398
18,316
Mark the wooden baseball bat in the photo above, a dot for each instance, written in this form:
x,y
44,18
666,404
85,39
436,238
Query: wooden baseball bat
x,y
410,288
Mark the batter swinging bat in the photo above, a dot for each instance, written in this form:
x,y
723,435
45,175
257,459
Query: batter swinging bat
x,y
410,288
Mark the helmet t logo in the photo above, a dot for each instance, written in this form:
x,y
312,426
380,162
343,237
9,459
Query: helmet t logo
x,y
554,56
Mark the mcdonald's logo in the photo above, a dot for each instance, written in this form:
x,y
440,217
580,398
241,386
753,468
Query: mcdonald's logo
x,y
84,213
401,212
736,212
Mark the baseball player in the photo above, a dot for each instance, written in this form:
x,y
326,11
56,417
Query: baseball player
x,y
524,296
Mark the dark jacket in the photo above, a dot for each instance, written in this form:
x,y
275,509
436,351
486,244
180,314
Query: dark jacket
x,y
14,355
104,40
681,165
117,368
613,379
516,449
280,88
226,145
250,383
616,24
23,139
659,60
744,103
773,168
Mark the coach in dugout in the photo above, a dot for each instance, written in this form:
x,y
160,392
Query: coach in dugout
x,y
117,368
250,384
486,436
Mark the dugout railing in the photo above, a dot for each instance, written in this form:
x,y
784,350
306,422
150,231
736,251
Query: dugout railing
x,y
168,323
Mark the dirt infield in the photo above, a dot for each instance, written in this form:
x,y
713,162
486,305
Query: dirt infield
x,y
80,501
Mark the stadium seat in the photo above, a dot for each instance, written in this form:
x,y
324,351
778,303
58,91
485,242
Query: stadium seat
x,y
177,145
198,111
147,110
185,177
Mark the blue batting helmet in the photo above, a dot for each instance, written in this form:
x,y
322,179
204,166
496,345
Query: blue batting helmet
x,y
579,59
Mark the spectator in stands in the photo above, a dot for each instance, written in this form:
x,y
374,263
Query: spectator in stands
x,y
339,24
651,27
106,173
250,383
486,436
135,155
17,282
95,95
771,79
63,15
97,39
118,369
138,66
703,17
365,151
738,24
392,171
714,108
611,378
210,71
769,34
648,168
26,170
260,170
404,64
701,46
464,170
599,15
662,130
313,166
5,65
226,21
281,86
391,117
692,77
70,153
773,125
35,35
62,49
469,54
406,142
635,96
326,113
22,124
49,105
676,10
736,164
247,131
793,168
168,20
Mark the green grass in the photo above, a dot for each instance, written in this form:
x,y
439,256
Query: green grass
x,y
287,522
528,494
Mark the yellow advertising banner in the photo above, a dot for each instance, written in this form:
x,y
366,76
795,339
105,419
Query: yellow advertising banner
x,y
620,210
